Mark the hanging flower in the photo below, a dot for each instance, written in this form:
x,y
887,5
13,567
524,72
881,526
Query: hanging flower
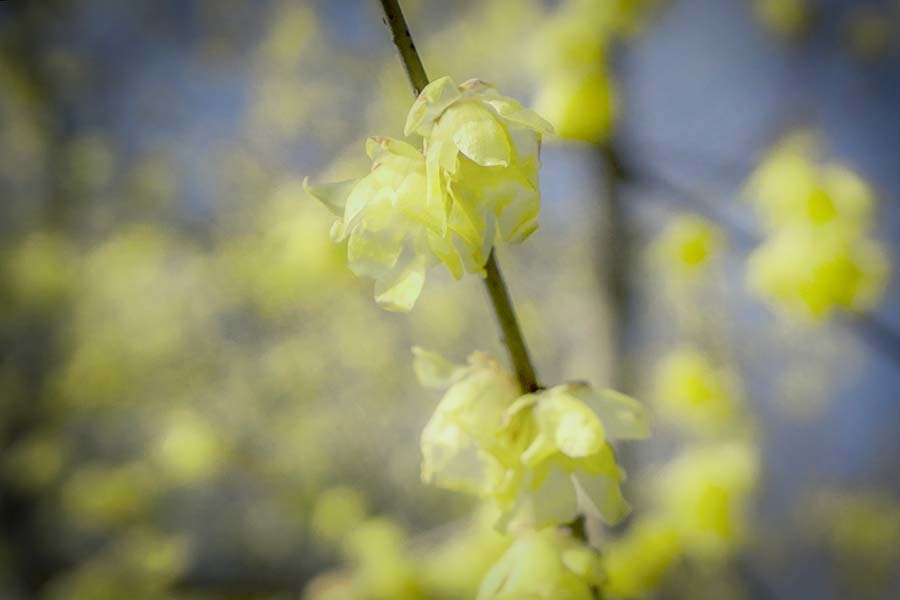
x,y
543,458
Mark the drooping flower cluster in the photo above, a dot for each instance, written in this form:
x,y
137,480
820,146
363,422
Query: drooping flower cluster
x,y
477,179
543,458
818,255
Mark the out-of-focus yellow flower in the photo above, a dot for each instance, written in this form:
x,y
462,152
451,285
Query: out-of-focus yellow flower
x,y
543,458
808,272
581,106
792,186
691,392
636,563
704,493
482,160
818,256
687,246
543,565
576,92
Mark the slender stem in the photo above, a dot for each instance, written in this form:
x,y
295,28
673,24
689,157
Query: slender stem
x,y
509,325
493,281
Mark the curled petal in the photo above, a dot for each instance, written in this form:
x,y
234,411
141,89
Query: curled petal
x,y
434,99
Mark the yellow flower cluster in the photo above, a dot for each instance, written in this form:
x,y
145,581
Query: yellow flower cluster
x,y
818,255
477,179
542,458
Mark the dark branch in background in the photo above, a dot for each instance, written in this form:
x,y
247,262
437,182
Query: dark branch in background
x,y
614,259
493,281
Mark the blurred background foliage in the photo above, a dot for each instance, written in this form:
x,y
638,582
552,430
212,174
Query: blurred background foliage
x,y
197,400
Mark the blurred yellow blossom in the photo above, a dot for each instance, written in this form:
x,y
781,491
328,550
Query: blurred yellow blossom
x,y
693,393
704,494
576,91
792,186
687,245
809,273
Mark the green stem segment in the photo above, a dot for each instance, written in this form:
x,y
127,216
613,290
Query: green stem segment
x,y
509,325
496,288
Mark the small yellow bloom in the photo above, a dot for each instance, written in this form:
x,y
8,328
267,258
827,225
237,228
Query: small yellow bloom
x,y
692,392
687,246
